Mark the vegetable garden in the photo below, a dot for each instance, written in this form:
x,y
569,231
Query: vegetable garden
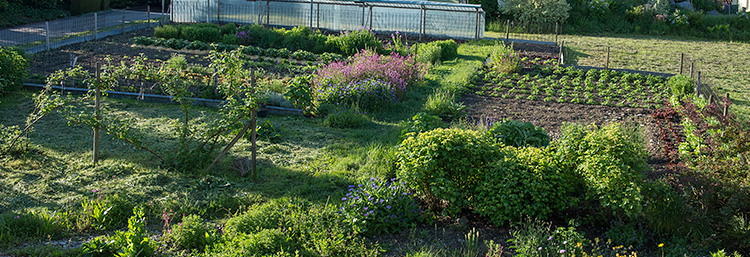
x,y
399,152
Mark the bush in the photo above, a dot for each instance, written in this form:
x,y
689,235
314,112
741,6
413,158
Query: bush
x,y
228,29
260,36
198,45
428,53
191,233
443,103
302,38
523,183
201,33
229,39
446,164
167,31
681,85
422,122
519,134
12,69
377,206
536,11
351,43
611,161
143,41
349,118
504,60
448,49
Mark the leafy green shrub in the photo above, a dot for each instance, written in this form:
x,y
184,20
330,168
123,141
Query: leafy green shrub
x,y
228,29
229,39
302,38
428,53
448,49
133,242
191,233
523,183
536,11
346,118
143,41
446,164
104,212
368,94
519,134
12,69
176,43
303,55
199,33
421,122
442,103
328,58
377,206
261,36
198,45
167,31
300,93
681,85
504,60
611,162
352,42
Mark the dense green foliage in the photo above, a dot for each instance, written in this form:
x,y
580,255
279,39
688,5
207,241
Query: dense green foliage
x,y
681,85
16,12
611,161
12,69
190,233
523,183
536,11
519,134
446,164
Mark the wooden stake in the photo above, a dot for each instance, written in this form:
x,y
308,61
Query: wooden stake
x,y
97,111
507,31
607,65
726,106
682,61
254,148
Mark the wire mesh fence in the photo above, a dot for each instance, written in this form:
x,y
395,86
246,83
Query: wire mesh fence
x,y
516,31
424,19
42,36
625,58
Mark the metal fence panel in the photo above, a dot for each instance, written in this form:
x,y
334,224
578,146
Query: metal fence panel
x,y
428,18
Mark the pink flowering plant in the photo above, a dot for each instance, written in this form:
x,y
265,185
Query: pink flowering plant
x,y
244,37
379,206
367,78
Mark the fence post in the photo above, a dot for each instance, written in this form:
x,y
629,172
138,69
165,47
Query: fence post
x,y
682,61
46,33
311,14
96,26
123,21
208,11
268,13
557,30
363,14
148,16
507,31
370,17
476,25
726,105
97,111
607,65
698,85
422,26
218,12
161,18
318,16
562,54
253,133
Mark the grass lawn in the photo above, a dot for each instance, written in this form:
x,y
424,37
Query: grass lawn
x,y
724,65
